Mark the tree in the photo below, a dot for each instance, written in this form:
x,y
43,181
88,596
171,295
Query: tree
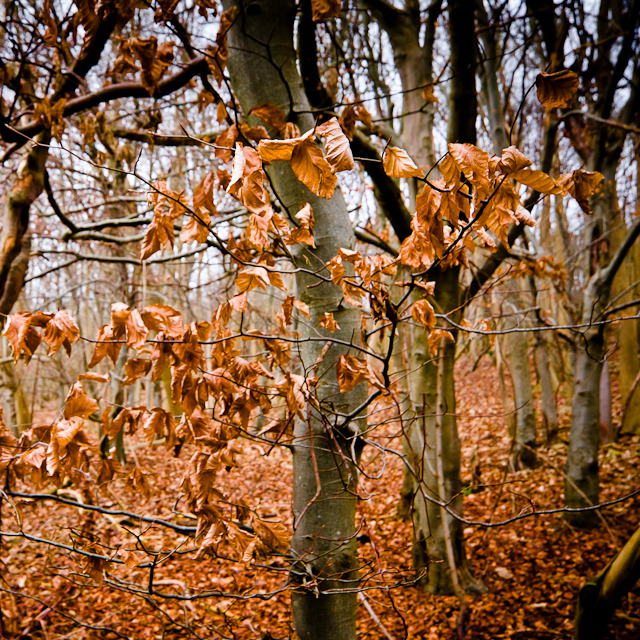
x,y
270,325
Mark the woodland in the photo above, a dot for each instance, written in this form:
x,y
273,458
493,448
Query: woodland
x,y
320,319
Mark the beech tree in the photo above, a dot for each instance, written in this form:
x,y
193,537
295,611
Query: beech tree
x,y
278,194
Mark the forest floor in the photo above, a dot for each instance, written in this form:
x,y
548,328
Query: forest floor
x,y
532,568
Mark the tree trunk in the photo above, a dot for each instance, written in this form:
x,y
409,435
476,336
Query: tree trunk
x,y
262,66
547,394
600,596
606,422
430,547
582,485
14,240
524,454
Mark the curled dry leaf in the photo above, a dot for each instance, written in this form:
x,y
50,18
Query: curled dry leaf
x,y
271,114
472,161
538,181
436,339
428,95
524,216
159,423
160,317
397,164
239,302
312,169
119,314
429,286
137,331
95,377
324,9
423,313
106,345
557,90
582,185
78,403
303,233
348,120
303,308
486,239
512,159
60,331
351,371
62,434
273,150
337,150
135,368
252,278
328,322
22,336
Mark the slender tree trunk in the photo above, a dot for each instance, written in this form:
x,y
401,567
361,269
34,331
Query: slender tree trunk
x,y
262,66
524,454
430,545
15,243
582,486
547,394
606,419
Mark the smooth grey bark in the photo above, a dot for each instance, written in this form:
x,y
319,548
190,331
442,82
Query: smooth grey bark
x,y
600,152
430,552
523,454
582,485
606,419
262,67
489,76
547,394
517,344
431,549
414,62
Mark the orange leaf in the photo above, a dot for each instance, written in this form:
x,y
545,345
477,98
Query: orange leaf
x,y
61,330
557,90
537,180
273,150
582,185
137,331
135,368
22,335
337,149
322,10
105,346
424,314
203,195
350,371
328,322
78,403
473,162
159,423
428,95
196,228
312,169
252,278
304,232
271,114
96,377
397,164
512,160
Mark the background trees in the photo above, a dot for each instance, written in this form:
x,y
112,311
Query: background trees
x,y
286,226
